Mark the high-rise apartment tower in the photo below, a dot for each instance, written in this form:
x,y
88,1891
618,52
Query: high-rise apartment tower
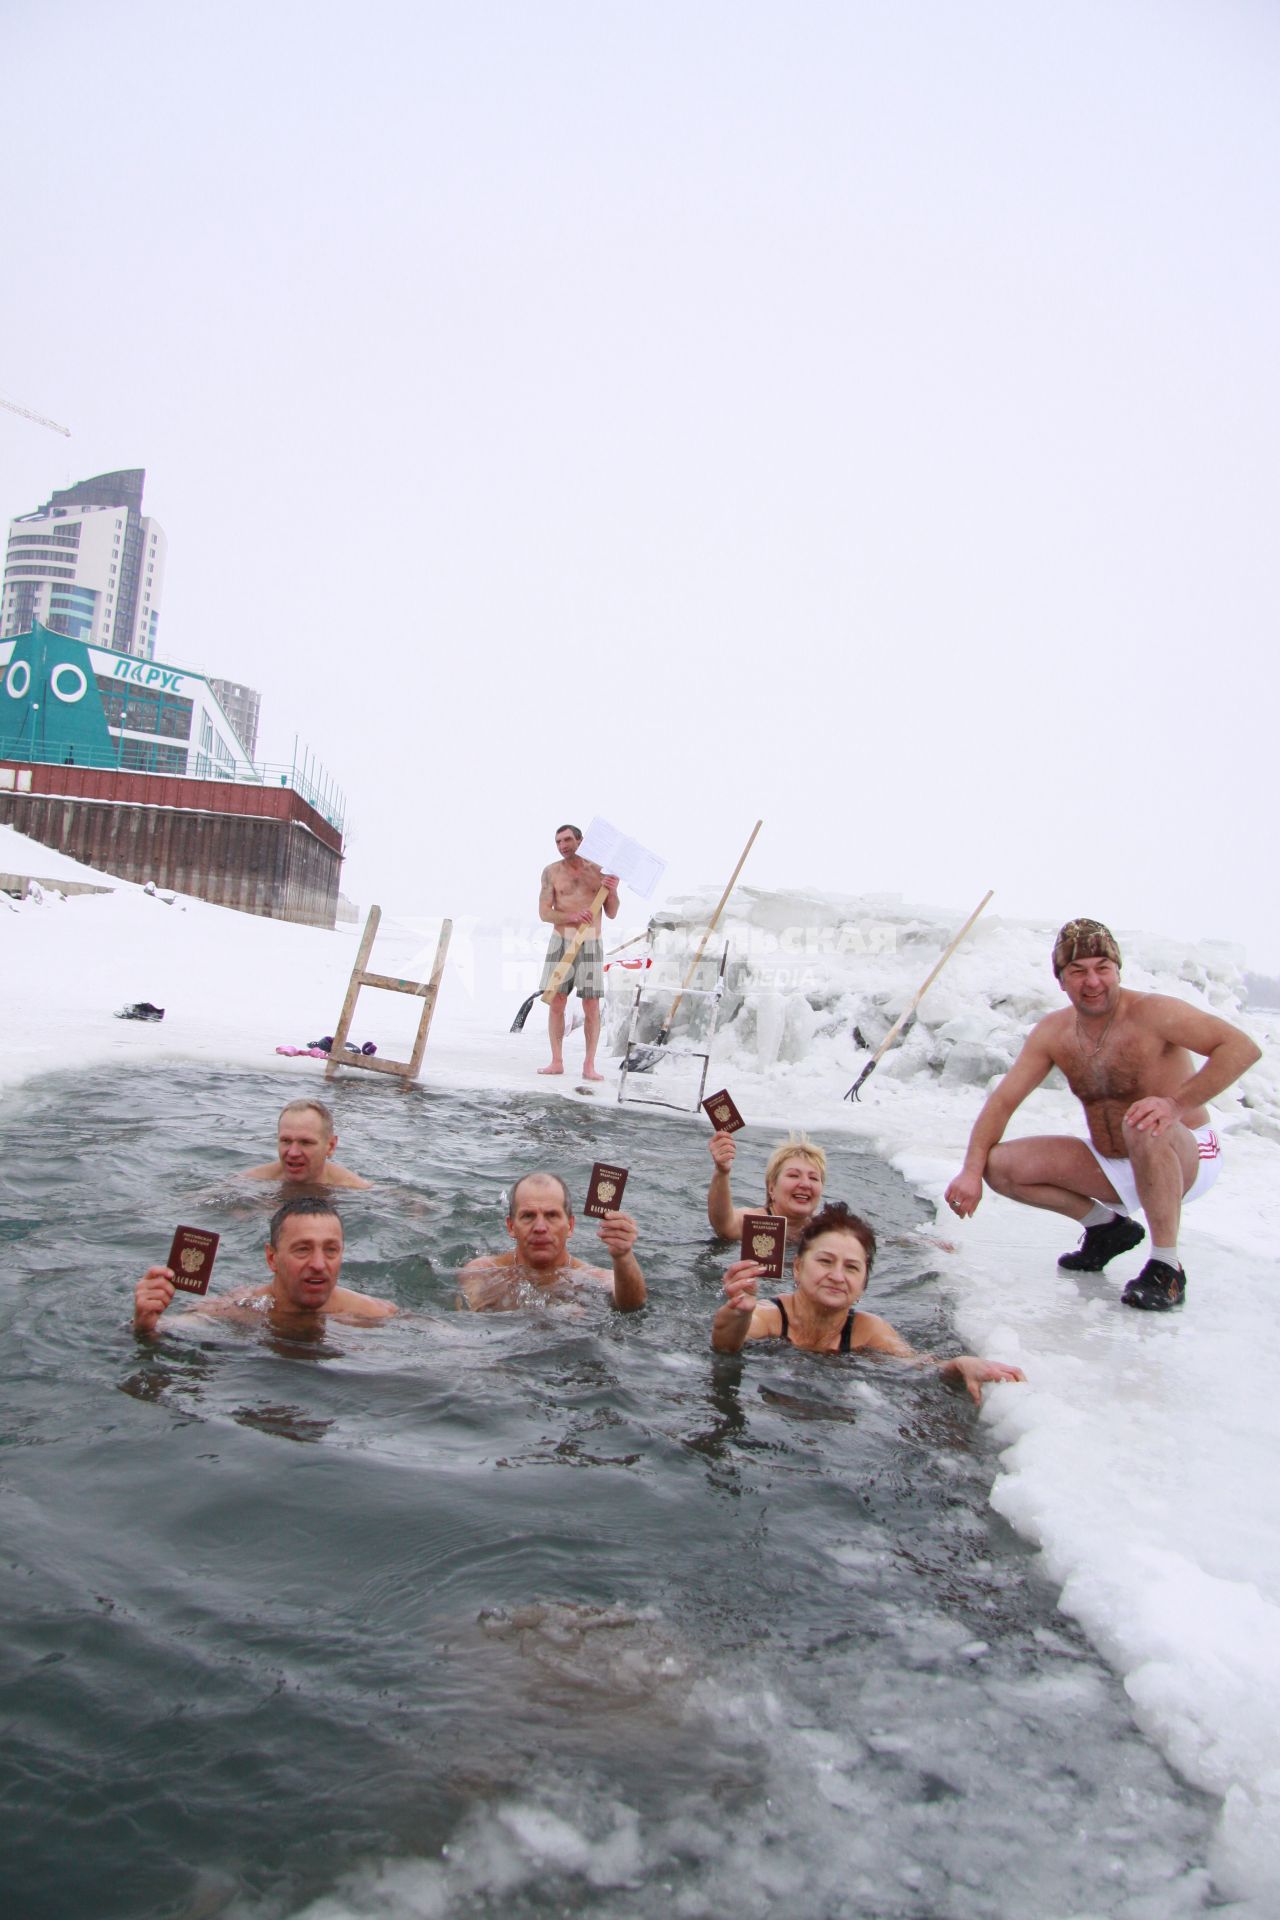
x,y
88,564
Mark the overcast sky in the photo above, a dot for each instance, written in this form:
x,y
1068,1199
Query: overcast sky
x,y
864,416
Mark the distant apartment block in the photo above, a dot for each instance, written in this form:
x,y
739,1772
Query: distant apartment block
x,y
88,564
240,704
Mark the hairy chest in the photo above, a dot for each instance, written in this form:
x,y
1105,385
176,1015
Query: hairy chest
x,y
1121,1068
572,887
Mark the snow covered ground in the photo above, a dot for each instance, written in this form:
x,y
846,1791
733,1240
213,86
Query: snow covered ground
x,y
1141,1454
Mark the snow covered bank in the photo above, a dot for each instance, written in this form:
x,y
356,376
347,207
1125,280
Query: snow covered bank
x,y
1140,1456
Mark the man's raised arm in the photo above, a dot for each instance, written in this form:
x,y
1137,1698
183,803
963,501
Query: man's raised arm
x,y
1027,1072
618,1232
1227,1051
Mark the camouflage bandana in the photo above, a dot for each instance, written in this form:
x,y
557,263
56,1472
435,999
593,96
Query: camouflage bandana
x,y
1083,940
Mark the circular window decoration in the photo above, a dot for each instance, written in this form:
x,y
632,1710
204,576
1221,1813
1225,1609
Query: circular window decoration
x,y
17,692
78,679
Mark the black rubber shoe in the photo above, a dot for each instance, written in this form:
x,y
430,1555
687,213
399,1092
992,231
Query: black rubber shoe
x,y
1157,1288
1103,1243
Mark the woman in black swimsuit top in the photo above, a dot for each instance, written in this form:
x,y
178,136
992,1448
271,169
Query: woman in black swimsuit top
x,y
832,1266
846,1331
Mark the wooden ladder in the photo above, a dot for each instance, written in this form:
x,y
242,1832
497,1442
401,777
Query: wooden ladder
x,y
406,1070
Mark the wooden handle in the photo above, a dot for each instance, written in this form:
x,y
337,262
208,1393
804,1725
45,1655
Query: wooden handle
x,y
564,967
711,927
907,1011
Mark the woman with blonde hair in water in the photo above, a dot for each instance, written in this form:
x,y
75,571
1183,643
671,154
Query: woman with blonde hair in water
x,y
821,1315
793,1183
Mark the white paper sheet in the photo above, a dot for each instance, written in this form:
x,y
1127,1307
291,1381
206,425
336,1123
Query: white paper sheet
x,y
615,852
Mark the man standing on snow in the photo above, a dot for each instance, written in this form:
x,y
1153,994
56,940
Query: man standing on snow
x,y
1127,1059
568,891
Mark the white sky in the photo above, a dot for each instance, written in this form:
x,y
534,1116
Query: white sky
x,y
859,415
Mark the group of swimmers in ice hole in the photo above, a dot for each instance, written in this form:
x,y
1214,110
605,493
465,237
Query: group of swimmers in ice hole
x,y
1128,1057
831,1250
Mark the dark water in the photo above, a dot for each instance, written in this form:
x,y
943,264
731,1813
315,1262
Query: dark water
x,y
523,1615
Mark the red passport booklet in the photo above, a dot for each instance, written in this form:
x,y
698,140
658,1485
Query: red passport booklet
x,y
191,1259
722,1113
604,1195
764,1238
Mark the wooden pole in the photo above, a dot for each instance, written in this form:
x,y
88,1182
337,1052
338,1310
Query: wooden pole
x,y
564,967
345,1018
429,1006
665,1034
906,1013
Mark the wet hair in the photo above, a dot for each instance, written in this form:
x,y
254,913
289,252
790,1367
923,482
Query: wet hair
x,y
569,827
517,1184
794,1147
307,1205
314,1106
1083,940
838,1218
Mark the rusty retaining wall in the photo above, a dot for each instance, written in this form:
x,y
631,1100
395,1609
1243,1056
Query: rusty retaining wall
x,y
282,860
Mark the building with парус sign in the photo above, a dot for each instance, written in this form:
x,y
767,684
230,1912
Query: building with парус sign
x,y
86,734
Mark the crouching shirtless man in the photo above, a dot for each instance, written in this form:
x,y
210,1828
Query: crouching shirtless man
x,y
1127,1058
540,1222
304,1252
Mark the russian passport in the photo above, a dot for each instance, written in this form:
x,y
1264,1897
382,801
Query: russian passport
x,y
764,1238
722,1113
604,1194
191,1259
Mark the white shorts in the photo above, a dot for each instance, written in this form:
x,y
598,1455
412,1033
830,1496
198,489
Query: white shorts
x,y
1120,1172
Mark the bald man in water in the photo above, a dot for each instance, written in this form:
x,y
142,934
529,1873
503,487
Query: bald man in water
x,y
541,1223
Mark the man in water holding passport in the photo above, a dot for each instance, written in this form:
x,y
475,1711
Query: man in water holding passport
x,y
304,1253
541,1222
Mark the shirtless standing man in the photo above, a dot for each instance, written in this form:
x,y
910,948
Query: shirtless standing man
x,y
540,1223
1127,1058
305,1141
304,1253
569,885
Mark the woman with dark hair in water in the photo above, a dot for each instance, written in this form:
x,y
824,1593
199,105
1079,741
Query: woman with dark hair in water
x,y
832,1267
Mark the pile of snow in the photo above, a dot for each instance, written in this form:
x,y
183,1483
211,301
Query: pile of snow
x,y
1140,1456
814,983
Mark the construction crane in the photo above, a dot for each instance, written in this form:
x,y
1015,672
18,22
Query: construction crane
x,y
39,418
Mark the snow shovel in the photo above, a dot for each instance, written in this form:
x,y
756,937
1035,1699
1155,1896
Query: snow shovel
x,y
645,1059
518,1023
906,1018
